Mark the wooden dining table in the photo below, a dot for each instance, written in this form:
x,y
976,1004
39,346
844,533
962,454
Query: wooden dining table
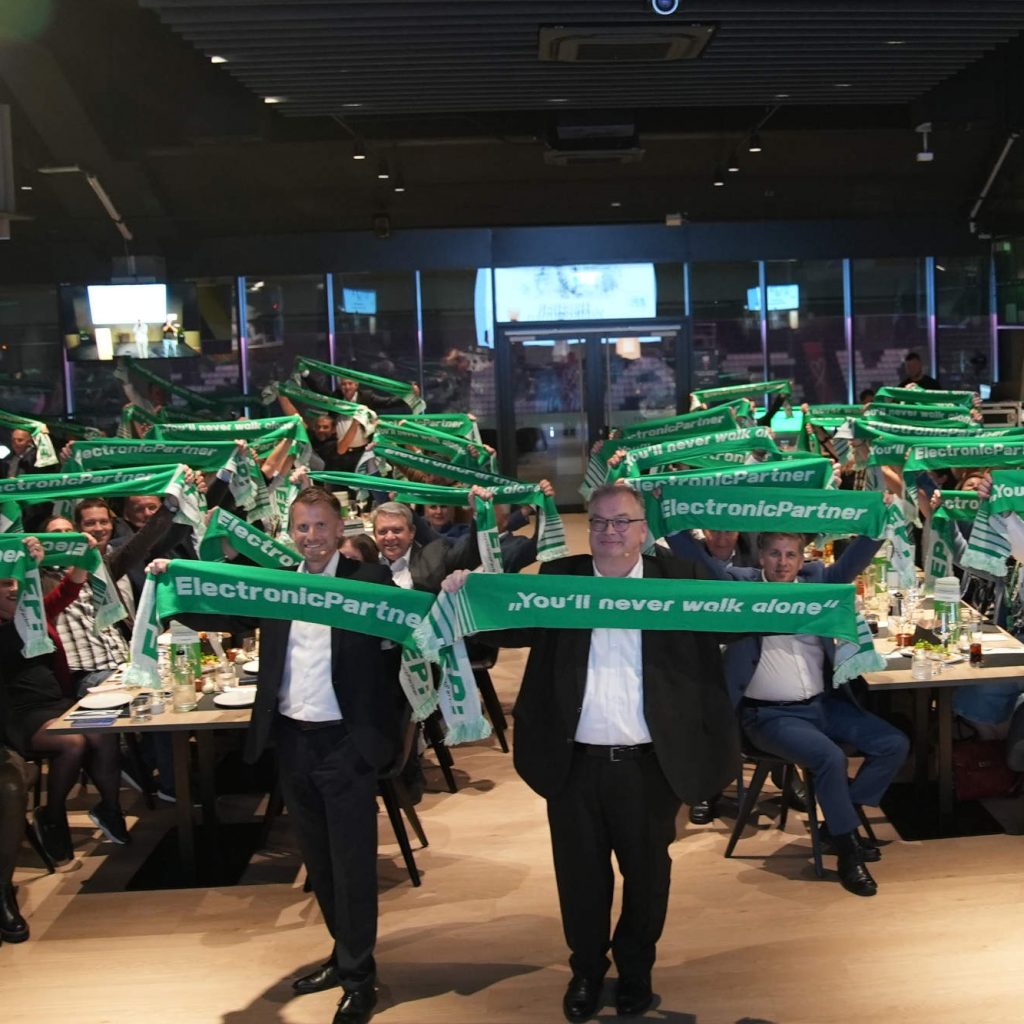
x,y
202,723
1004,667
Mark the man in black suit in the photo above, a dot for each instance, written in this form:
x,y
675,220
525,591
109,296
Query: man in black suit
x,y
336,723
615,728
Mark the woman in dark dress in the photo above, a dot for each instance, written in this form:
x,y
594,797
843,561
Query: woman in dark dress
x,y
34,692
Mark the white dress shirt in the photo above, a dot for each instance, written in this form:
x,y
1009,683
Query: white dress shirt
x,y
400,571
613,700
791,668
307,687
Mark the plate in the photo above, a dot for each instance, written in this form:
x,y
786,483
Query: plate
x,y
236,697
251,668
109,699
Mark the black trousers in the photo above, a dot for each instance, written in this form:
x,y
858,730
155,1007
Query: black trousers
x,y
628,809
330,793
13,802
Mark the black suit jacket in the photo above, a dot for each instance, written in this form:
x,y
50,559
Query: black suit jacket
x,y
688,714
364,675
430,563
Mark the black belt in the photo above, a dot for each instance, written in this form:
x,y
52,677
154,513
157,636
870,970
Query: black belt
x,y
294,723
615,753
755,703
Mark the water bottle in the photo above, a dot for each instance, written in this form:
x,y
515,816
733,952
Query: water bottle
x,y
947,607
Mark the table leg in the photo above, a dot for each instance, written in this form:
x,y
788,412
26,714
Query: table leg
x,y
922,699
946,754
183,805
207,787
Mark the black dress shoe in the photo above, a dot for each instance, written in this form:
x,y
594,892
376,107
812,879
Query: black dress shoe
x,y
356,1006
582,998
854,876
702,813
323,978
797,796
633,996
13,927
870,853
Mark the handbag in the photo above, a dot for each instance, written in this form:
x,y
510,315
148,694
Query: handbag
x,y
980,769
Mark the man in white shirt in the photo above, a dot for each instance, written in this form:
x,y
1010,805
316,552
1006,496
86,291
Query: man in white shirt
x,y
615,728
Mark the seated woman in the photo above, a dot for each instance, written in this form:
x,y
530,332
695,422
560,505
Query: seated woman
x,y
13,803
32,695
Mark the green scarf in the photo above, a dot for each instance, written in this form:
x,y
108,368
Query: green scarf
x,y
749,509
957,506
551,542
489,603
733,444
246,540
713,396
836,412
254,592
462,423
810,472
703,421
458,449
964,452
29,615
385,385
169,480
344,411
953,417
262,434
989,546
71,429
195,400
925,396
45,455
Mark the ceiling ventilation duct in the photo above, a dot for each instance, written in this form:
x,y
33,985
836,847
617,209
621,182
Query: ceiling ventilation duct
x,y
593,137
622,45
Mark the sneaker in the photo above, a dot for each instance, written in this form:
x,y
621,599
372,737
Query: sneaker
x,y
129,779
53,836
110,821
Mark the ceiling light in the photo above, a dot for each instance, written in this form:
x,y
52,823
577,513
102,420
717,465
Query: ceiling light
x,y
352,106
842,85
358,150
939,266
925,156
782,95
218,60
383,173
754,146
273,99
719,178
895,42
399,182
733,166
558,99
26,188
615,204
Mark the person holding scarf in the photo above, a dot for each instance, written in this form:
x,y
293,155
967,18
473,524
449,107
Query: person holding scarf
x,y
331,701
615,728
786,706
33,694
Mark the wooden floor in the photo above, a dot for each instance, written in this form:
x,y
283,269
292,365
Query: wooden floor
x,y
753,939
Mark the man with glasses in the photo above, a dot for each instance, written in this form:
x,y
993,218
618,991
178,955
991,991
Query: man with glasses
x,y
615,728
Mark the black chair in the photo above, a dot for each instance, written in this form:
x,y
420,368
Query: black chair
x,y
433,734
763,764
397,800
482,660
36,788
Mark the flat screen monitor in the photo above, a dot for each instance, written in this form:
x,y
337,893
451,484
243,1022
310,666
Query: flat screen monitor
x,y
146,321
604,291
358,300
780,297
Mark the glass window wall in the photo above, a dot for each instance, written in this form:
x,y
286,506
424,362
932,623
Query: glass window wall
x,y
31,352
963,328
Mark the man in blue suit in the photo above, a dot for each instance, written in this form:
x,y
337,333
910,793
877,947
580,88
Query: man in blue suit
x,y
781,687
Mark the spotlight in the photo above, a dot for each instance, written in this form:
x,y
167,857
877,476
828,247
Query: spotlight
x,y
358,150
754,146
719,180
665,7
733,166
383,173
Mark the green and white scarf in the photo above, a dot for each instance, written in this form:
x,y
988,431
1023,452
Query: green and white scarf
x,y
262,434
953,417
551,541
384,385
169,480
956,507
703,421
30,614
254,592
679,507
458,449
462,423
45,455
246,540
345,412
714,396
808,472
66,550
965,452
194,400
835,412
924,396
735,445
71,429
989,546
548,601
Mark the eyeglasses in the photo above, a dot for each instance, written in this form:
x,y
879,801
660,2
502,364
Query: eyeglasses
x,y
620,525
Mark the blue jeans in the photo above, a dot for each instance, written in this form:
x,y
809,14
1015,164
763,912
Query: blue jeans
x,y
810,734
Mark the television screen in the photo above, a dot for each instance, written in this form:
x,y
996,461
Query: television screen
x,y
780,297
357,300
622,291
146,321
